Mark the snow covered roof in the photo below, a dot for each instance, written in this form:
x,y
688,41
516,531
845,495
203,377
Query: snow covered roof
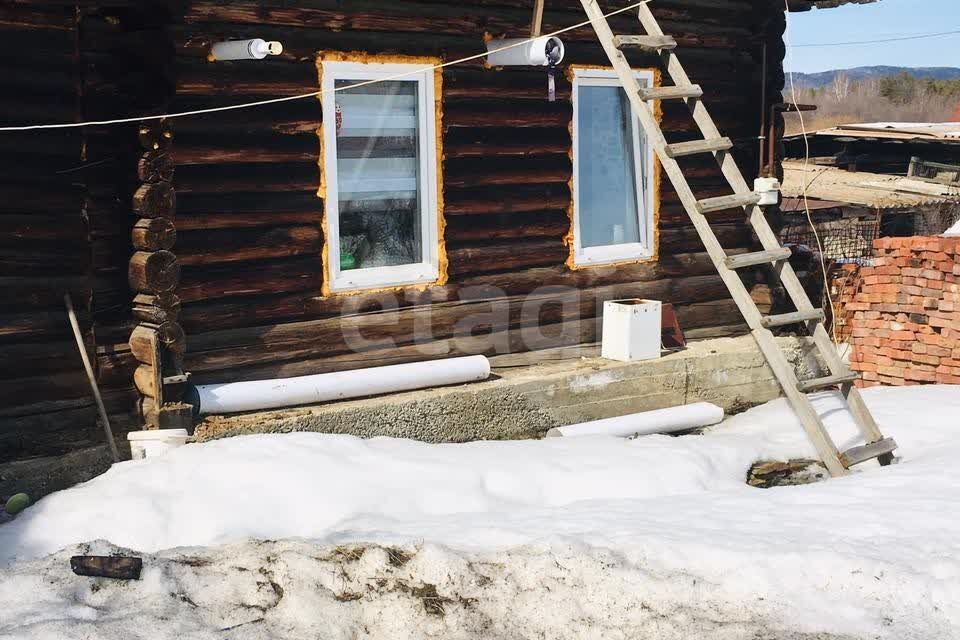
x,y
876,190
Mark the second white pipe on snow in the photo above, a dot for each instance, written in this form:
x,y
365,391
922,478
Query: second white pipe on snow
x,y
671,419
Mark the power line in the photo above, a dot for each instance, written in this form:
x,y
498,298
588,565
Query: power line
x,y
312,94
896,39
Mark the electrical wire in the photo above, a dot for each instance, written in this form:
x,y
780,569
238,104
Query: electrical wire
x,y
894,39
313,94
806,163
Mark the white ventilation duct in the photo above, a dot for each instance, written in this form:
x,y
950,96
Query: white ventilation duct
x,y
546,51
255,49
671,419
255,395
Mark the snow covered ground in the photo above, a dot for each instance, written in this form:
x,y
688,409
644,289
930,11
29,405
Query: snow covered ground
x,y
309,535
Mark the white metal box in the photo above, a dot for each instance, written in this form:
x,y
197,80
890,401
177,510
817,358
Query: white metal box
x,y
631,329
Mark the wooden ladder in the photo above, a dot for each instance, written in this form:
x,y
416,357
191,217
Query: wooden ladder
x,y
773,253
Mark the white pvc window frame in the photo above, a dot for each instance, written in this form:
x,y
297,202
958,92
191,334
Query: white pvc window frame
x,y
428,270
644,178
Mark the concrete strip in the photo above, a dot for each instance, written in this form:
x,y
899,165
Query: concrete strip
x,y
524,400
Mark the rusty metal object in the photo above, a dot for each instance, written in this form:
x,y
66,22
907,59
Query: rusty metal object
x,y
117,567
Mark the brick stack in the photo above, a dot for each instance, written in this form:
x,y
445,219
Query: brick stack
x,y
906,313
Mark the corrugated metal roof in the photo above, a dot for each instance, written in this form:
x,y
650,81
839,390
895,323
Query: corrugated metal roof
x,y
948,132
861,188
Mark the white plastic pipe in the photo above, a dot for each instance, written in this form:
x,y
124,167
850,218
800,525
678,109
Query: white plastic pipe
x,y
688,416
255,49
324,387
539,52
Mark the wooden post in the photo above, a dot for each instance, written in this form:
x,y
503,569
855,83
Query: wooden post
x,y
158,342
536,26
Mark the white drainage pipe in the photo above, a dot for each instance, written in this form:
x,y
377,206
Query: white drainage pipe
x,y
254,395
689,416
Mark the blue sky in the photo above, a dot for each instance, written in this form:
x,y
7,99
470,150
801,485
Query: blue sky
x,y
885,19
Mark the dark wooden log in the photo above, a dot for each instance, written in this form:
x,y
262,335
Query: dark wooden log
x,y
154,135
309,151
506,149
116,567
242,220
35,358
153,234
155,166
168,336
245,311
155,200
546,224
156,309
254,279
153,272
36,292
469,204
211,247
145,380
492,178
503,257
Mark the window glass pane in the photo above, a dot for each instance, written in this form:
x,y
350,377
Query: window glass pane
x,y
378,174
606,180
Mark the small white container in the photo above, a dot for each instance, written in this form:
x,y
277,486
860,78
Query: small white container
x,y
631,329
156,442
769,191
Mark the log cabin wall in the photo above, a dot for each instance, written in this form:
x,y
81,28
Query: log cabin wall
x,y
248,236
249,239
65,215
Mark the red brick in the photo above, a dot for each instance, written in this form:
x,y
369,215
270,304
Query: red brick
x,y
922,376
890,371
902,335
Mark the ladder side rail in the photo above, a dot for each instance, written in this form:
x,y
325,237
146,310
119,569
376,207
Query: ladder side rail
x,y
809,419
768,239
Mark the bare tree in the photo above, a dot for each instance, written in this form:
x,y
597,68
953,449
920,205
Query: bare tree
x,y
841,86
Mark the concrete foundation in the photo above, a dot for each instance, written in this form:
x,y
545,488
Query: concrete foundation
x,y
530,393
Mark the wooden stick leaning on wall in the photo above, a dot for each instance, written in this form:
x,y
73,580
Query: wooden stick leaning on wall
x,y
91,377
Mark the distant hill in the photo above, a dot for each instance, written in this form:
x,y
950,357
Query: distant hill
x,y
865,73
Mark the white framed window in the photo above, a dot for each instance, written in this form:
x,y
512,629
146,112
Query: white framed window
x,y
380,164
613,172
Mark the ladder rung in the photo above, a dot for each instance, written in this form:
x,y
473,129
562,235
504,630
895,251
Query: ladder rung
x,y
709,205
785,319
829,381
698,146
645,43
671,93
865,452
757,257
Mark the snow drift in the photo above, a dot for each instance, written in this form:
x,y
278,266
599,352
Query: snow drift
x,y
561,538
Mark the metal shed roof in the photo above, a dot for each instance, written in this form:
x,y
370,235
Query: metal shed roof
x,y
876,190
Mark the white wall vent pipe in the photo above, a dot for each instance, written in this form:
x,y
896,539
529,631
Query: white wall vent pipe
x,y
256,49
545,51
232,397
671,419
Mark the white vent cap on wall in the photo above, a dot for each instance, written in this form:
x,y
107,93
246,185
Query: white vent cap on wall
x,y
255,49
540,52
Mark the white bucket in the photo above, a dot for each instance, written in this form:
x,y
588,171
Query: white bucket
x,y
157,442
